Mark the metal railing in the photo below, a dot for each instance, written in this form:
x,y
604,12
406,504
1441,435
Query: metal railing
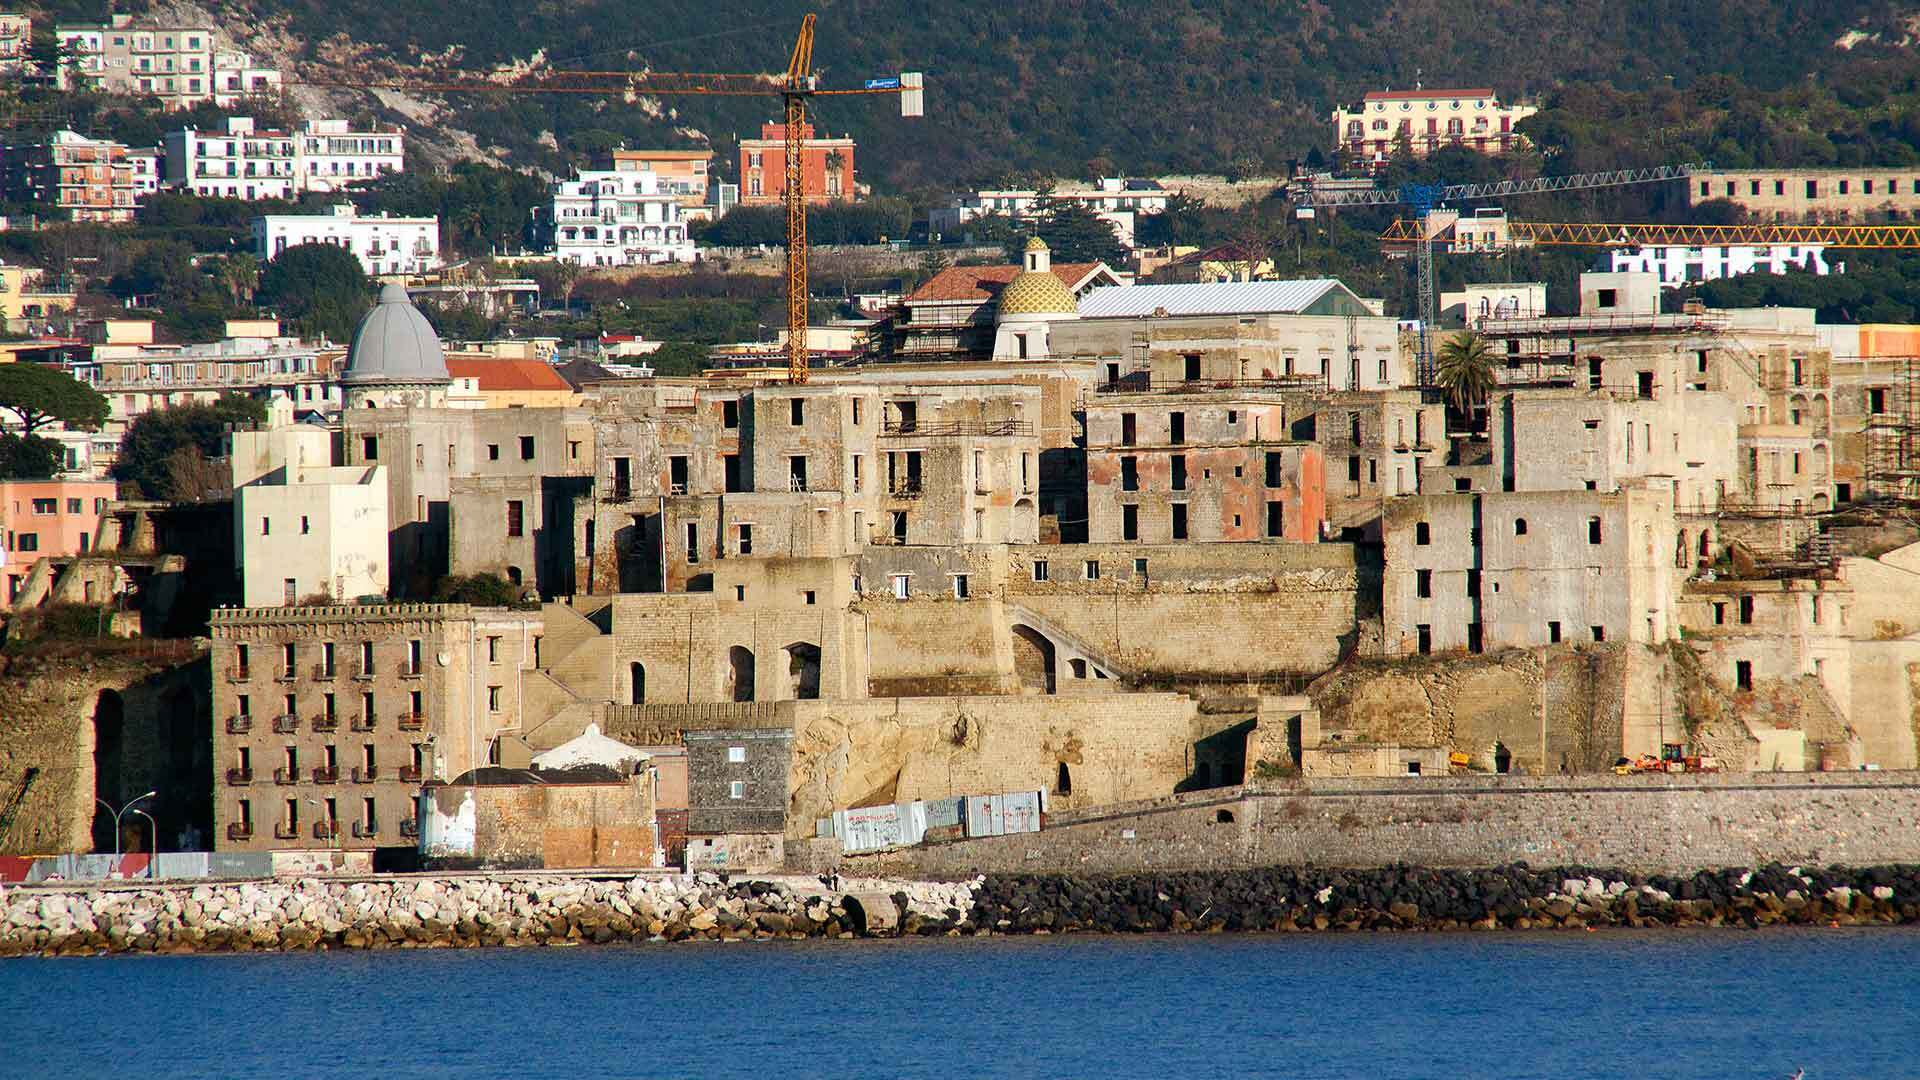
x,y
284,775
326,722
240,830
239,724
1141,383
239,674
323,671
239,777
286,830
286,724
366,774
410,774
412,721
409,827
326,830
904,491
364,830
957,427
324,775
362,723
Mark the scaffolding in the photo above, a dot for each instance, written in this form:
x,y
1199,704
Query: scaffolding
x,y
1893,436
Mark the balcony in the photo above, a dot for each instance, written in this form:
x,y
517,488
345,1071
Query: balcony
x,y
239,725
324,672
240,830
326,830
412,721
239,674
286,724
410,774
956,427
366,830
284,775
324,775
286,830
287,675
412,671
904,491
409,827
621,493
239,777
362,723
363,671
326,722
366,774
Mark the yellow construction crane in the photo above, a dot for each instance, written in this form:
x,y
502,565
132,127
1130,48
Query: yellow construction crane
x,y
1523,233
793,88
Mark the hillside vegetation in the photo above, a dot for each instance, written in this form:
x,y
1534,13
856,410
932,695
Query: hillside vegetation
x,y
1071,87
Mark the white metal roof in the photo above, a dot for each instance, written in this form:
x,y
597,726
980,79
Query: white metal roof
x,y
1216,298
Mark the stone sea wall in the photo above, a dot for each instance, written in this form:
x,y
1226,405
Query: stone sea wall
x,y
469,912
440,912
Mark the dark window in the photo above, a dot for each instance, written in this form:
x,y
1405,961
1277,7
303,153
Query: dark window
x,y
370,447
1179,476
493,451
1475,643
1191,365
1179,522
1177,428
516,517
677,474
1746,610
1473,583
1593,530
796,411
1129,474
1607,298
526,448
1276,469
1599,633
1424,633
1126,429
1422,534
1423,584
730,468
1553,632
1130,522
1353,468
1743,674
730,414
1276,519
1876,401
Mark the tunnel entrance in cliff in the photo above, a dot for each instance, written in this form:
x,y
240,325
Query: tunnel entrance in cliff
x,y
109,739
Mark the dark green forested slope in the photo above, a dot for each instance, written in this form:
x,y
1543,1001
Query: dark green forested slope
x,y
1067,86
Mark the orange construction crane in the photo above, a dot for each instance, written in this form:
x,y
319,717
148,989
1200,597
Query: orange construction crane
x,y
1522,233
793,88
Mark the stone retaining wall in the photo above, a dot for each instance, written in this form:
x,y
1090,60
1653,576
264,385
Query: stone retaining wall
x,y
1648,824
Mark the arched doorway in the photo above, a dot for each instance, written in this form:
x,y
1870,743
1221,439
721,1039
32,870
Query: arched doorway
x,y
637,682
1032,659
109,737
803,671
740,673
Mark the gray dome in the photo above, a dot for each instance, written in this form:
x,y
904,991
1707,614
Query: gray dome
x,y
395,344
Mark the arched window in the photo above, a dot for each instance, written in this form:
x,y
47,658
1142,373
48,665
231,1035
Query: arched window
x,y
637,674
1519,526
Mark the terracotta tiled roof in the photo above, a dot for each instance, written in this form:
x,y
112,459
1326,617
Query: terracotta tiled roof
x,y
506,374
985,282
1422,95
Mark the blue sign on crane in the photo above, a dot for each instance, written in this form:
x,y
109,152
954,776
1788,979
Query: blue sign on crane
x,y
890,83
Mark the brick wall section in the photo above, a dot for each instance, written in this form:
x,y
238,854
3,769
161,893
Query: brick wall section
x,y
1650,824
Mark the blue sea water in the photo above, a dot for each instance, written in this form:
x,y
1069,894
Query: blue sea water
x,y
1679,1004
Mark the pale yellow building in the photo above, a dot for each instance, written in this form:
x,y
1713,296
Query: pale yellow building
x,y
1854,194
304,527
1429,119
24,301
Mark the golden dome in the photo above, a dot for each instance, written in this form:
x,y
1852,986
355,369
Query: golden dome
x,y
1037,292
1034,243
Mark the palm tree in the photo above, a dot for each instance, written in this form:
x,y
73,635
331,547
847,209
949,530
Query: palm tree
x,y
1464,370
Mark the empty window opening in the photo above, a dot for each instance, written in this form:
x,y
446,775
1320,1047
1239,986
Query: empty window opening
x,y
1063,780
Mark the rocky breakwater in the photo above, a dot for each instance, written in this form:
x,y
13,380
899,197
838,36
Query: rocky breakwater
x,y
313,913
1401,898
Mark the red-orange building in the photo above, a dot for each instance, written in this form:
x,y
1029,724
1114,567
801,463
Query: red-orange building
x,y
41,518
826,165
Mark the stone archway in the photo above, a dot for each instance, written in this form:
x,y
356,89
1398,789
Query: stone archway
x,y
1033,659
740,672
803,671
109,737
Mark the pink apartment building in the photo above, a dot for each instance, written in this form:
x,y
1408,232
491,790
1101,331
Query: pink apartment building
x,y
39,518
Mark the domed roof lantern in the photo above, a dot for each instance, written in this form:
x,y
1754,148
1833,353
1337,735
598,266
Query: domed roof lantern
x,y
395,344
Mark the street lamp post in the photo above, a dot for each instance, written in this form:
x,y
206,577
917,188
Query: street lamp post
x,y
116,821
153,850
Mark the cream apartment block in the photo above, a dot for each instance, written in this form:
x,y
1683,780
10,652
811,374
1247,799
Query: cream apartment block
x,y
1428,120
179,64
1853,194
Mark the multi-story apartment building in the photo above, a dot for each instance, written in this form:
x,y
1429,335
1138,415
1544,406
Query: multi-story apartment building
x,y
253,359
241,162
181,65
1200,467
618,219
46,518
84,179
246,162
330,155
826,167
16,33
1427,120
1853,194
680,173
147,164
1115,200
326,720
1676,265
384,245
